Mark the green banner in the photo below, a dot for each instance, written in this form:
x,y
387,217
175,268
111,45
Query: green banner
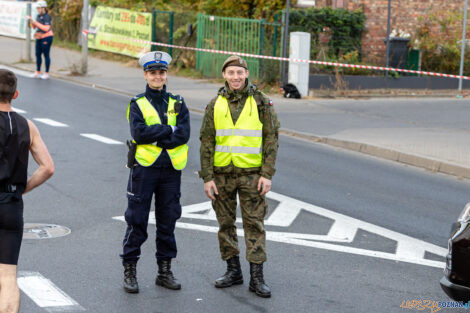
x,y
110,27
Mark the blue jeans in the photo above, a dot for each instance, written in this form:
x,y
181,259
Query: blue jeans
x,y
165,183
43,46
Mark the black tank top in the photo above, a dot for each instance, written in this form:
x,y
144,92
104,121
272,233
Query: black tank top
x,y
14,152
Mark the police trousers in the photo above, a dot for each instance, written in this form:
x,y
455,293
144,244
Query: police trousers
x,y
144,182
253,209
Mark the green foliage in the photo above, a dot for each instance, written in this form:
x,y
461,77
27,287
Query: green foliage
x,y
66,17
438,37
345,28
242,8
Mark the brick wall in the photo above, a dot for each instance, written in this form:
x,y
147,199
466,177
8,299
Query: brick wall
x,y
405,15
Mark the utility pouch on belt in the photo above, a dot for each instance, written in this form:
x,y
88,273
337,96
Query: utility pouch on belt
x,y
131,154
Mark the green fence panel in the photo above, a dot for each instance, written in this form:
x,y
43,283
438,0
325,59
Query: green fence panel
x,y
228,34
413,61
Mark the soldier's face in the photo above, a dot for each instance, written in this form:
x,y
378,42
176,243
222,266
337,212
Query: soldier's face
x,y
156,78
235,77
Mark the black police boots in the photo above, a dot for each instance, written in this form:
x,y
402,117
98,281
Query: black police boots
x,y
130,279
257,284
233,276
165,277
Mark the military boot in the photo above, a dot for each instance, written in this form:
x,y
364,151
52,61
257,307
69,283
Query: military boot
x,y
130,279
165,277
257,284
233,276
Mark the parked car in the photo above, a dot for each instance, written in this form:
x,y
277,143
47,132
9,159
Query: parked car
x,y
456,280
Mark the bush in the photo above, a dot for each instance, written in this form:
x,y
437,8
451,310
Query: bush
x,y
438,37
345,27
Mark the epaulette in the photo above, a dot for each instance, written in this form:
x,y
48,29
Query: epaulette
x,y
265,101
140,95
178,98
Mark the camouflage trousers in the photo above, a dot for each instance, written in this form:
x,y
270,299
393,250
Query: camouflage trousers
x,y
253,208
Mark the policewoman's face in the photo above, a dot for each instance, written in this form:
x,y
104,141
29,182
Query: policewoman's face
x,y
235,77
156,78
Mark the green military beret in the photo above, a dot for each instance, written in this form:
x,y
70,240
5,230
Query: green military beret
x,y
234,60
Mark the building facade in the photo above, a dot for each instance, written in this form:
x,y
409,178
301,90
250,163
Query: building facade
x,y
405,16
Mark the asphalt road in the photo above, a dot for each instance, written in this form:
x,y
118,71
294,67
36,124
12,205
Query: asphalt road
x,y
88,190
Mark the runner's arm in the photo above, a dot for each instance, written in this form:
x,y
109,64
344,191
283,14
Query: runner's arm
x,y
41,156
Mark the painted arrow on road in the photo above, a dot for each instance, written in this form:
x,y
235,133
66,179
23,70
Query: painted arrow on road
x,y
342,231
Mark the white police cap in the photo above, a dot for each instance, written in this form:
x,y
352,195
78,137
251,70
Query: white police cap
x,y
155,60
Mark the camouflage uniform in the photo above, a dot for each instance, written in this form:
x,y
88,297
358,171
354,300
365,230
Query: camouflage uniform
x,y
231,179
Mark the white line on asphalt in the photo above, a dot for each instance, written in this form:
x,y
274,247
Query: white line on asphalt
x,y
342,232
50,122
17,71
18,110
45,293
99,138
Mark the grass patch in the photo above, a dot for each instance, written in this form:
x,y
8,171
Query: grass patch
x,y
67,44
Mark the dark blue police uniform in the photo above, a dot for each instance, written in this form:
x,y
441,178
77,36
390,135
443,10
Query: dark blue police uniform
x,y
160,179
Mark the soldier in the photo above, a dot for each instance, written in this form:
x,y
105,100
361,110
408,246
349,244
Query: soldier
x,y
239,142
159,124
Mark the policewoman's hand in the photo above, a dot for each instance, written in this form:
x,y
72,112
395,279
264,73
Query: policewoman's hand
x,y
210,189
264,185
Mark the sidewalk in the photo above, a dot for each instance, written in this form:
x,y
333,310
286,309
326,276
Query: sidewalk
x,y
431,133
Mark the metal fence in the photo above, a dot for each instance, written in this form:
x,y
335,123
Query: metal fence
x,y
234,34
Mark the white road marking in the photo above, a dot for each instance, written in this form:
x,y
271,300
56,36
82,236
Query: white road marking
x,y
342,231
18,110
45,293
17,71
99,138
50,122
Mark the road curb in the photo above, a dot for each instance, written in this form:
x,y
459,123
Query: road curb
x,y
427,163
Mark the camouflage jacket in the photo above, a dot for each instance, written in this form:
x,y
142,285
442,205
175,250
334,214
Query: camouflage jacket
x,y
268,118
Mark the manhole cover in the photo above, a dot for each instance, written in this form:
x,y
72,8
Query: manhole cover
x,y
44,231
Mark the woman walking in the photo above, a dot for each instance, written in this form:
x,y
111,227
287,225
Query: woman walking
x,y
43,36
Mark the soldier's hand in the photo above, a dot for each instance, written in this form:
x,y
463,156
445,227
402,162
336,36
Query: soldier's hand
x,y
264,185
210,189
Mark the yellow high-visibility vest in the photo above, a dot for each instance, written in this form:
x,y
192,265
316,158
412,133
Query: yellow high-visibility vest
x,y
241,143
146,155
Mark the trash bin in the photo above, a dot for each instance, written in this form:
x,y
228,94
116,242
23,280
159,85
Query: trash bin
x,y
398,52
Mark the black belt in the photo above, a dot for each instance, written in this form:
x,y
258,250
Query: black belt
x,y
8,188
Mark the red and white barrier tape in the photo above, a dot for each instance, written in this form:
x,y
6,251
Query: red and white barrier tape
x,y
335,64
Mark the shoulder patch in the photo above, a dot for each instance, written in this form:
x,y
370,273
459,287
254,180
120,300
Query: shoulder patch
x,y
270,102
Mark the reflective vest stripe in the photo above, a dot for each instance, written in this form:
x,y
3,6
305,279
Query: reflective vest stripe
x,y
223,132
222,148
239,132
246,150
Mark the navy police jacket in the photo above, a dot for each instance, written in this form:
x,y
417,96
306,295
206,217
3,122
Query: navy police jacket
x,y
161,133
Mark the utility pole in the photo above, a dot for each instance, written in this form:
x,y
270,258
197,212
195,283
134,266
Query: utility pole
x,y
28,33
464,42
284,48
387,53
84,67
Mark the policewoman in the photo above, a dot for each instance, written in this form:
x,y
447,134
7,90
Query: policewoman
x,y
159,124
